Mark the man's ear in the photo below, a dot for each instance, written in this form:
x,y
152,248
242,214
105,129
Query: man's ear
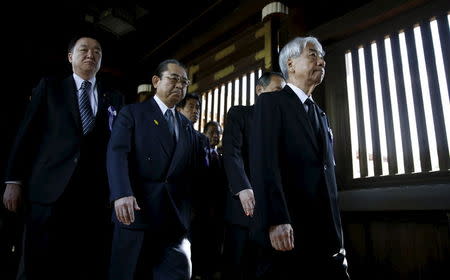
x,y
69,57
259,89
155,81
290,65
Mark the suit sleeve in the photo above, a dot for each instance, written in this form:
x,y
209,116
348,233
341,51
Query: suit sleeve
x,y
271,207
22,151
201,152
232,156
117,155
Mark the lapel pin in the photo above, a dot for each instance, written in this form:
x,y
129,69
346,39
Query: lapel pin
x,y
156,122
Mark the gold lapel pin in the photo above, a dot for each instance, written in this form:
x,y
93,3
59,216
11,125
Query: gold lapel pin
x,y
156,122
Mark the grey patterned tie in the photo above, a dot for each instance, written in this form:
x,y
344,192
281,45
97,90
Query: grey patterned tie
x,y
87,117
170,122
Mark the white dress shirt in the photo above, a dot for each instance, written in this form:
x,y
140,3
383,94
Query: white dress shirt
x,y
301,95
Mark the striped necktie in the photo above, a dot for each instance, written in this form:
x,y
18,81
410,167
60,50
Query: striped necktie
x,y
86,114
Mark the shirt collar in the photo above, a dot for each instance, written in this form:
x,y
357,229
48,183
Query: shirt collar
x,y
79,80
213,150
300,93
163,106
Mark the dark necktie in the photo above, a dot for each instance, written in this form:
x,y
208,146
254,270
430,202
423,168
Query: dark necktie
x,y
86,114
312,115
214,155
170,123
215,160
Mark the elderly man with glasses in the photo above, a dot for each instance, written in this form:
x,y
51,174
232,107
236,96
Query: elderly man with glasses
x,y
151,160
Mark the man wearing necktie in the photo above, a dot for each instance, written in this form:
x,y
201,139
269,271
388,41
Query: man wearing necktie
x,y
292,169
57,165
213,131
208,223
190,108
238,250
151,160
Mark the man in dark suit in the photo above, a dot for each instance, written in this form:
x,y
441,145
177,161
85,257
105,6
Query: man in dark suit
x,y
190,108
292,168
58,165
207,225
151,162
205,233
239,254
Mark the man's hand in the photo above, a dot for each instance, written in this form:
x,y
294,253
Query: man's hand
x,y
248,201
282,237
12,198
125,207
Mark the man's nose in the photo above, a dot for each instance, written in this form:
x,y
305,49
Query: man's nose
x,y
178,84
321,61
90,53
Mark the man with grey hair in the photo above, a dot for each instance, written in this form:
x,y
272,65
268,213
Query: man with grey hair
x,y
292,169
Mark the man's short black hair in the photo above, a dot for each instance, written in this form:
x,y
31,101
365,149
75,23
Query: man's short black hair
x,y
78,36
187,97
210,123
163,66
264,80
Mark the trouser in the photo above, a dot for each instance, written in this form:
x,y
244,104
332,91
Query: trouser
x,y
68,239
310,265
137,254
239,253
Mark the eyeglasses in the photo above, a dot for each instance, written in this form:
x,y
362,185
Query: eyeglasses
x,y
173,78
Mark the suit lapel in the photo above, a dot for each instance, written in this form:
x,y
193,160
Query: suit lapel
x,y
101,97
70,94
301,115
324,130
157,120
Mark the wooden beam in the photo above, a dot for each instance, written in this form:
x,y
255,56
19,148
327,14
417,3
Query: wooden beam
x,y
435,95
362,150
401,102
374,124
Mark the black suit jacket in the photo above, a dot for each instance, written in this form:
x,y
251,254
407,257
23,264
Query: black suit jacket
x,y
48,145
199,192
236,144
143,161
293,173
